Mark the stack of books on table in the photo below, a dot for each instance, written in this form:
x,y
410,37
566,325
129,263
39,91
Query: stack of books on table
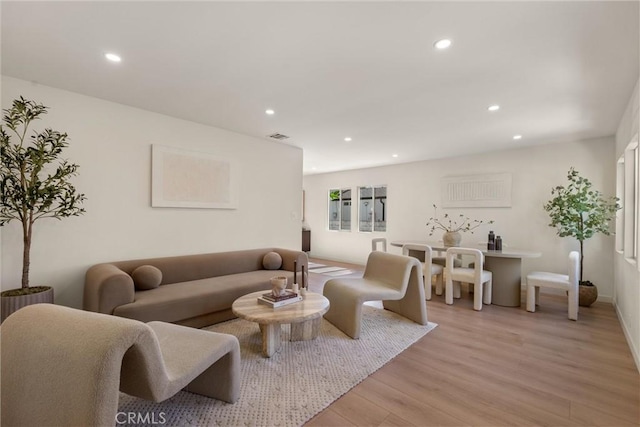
x,y
289,297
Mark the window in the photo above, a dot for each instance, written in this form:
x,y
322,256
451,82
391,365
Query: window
x,y
631,200
372,208
620,214
340,209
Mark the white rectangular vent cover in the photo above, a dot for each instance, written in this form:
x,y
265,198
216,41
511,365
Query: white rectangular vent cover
x,y
476,191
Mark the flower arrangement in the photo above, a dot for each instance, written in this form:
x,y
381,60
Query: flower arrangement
x,y
448,224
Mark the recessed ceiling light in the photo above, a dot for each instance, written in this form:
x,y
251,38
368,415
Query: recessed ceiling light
x,y
394,155
442,44
348,139
112,57
493,107
269,112
517,136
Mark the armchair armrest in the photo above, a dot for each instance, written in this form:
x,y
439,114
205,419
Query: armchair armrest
x,y
107,287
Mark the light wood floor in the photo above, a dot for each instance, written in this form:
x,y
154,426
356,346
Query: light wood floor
x,y
500,367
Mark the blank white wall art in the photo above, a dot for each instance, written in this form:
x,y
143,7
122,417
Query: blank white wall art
x,y
192,179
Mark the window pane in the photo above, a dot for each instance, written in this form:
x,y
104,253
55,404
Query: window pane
x,y
334,209
365,210
380,209
345,223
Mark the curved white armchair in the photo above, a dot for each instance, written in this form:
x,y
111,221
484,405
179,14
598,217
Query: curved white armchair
x,y
567,282
481,279
393,279
382,241
429,270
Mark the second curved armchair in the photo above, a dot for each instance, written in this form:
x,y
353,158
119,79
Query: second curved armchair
x,y
396,280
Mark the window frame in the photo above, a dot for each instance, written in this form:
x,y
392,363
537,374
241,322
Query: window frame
x,y
370,210
340,208
630,202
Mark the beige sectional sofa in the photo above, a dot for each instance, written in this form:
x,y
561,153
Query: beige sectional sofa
x,y
192,290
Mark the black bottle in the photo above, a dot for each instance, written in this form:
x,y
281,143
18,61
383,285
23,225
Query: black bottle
x,y
498,243
491,242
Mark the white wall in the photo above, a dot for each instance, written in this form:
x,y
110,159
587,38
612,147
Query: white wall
x,y
112,145
627,275
413,188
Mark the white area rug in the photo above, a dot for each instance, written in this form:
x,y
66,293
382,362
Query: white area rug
x,y
295,384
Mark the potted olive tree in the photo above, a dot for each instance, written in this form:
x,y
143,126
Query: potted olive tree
x,y
579,211
34,184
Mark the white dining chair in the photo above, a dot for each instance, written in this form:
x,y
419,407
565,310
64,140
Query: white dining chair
x,y
442,259
567,282
481,279
429,270
380,240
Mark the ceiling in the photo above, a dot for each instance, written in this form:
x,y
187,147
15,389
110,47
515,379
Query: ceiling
x,y
560,71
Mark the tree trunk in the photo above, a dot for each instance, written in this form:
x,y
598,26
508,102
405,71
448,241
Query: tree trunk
x,y
27,226
581,259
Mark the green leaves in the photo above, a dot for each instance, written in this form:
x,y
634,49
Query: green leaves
x,y
579,211
34,182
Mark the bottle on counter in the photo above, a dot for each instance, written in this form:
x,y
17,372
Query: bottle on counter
x,y
498,244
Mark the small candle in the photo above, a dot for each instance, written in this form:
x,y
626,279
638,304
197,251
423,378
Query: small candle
x,y
295,271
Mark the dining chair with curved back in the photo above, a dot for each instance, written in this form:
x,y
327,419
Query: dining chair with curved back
x,y
481,279
429,270
566,282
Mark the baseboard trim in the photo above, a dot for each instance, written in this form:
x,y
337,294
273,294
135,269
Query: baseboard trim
x,y
627,335
342,260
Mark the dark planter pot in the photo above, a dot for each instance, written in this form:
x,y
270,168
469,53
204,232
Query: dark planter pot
x,y
9,304
587,295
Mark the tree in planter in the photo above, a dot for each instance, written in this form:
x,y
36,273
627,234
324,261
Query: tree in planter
x,y
579,211
34,182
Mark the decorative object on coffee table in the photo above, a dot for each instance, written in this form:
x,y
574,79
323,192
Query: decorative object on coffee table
x,y
452,227
278,285
35,183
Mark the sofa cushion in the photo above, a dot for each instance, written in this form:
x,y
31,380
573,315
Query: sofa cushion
x,y
179,301
272,261
146,277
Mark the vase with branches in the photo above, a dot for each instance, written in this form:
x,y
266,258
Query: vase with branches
x,y
34,182
452,226
579,211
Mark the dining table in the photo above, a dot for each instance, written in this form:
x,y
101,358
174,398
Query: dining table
x,y
505,266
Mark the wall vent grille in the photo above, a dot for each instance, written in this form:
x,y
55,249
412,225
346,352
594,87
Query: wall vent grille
x,y
278,136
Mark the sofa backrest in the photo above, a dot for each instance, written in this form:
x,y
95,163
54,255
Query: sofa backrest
x,y
201,266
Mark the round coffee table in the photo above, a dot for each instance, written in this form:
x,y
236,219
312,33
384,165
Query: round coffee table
x,y
304,316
